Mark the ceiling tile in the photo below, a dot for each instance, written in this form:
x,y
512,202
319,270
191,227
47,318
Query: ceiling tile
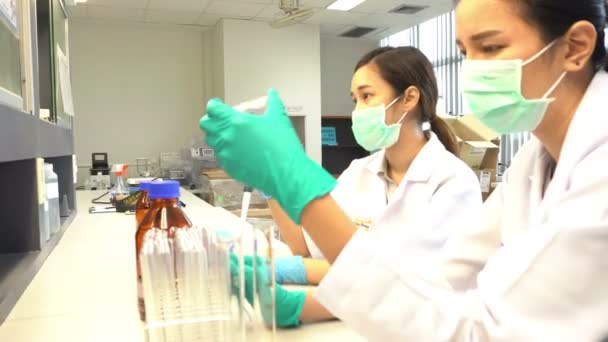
x,y
101,12
79,11
179,5
334,29
385,6
233,9
386,20
120,3
172,17
336,17
208,20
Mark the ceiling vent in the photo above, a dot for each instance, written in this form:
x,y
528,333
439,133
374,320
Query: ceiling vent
x,y
357,32
408,9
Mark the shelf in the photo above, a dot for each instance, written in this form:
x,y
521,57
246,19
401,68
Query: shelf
x,y
18,270
24,136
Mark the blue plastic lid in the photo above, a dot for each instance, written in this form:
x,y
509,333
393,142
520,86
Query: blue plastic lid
x,y
164,189
145,186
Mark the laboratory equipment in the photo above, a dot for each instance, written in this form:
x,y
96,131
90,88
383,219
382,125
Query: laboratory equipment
x,y
255,106
183,273
100,171
164,213
186,285
120,190
143,167
264,287
52,197
172,166
244,235
134,183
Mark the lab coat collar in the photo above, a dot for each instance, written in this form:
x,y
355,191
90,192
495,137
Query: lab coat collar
x,y
421,168
588,127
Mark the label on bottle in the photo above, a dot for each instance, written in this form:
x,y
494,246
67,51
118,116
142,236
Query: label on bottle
x,y
52,191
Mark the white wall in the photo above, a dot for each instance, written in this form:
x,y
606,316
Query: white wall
x,y
338,59
138,89
257,57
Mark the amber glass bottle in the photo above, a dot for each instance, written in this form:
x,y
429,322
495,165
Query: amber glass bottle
x,y
164,213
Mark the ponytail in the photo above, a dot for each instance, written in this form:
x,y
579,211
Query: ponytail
x,y
445,134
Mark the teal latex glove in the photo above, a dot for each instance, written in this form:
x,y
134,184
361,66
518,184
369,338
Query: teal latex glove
x,y
235,284
290,270
289,304
264,152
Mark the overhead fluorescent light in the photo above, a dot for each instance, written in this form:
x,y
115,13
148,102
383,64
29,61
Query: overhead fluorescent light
x,y
344,5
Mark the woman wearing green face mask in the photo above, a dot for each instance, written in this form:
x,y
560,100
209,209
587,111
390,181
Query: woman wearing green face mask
x,y
534,268
414,171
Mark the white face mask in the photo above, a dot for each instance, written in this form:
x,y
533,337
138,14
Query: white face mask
x,y
370,128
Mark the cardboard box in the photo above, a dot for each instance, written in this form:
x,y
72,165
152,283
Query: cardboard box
x,y
215,174
219,190
479,149
479,145
255,213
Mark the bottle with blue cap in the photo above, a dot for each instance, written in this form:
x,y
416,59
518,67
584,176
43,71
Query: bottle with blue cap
x,y
165,213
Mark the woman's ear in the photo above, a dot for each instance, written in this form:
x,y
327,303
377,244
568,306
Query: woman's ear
x,y
580,42
410,99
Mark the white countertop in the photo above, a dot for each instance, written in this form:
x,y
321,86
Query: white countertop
x,y
85,291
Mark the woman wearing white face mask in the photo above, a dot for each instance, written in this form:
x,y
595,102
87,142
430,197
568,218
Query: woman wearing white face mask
x,y
415,168
535,268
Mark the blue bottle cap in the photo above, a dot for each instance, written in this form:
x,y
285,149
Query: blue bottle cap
x,y
164,189
145,186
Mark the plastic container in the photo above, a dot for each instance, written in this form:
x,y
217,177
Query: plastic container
x,y
52,197
43,203
164,214
120,190
143,203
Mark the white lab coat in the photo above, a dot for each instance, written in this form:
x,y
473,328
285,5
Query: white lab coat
x,y
535,269
436,179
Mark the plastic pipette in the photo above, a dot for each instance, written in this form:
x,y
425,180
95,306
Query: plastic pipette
x,y
244,209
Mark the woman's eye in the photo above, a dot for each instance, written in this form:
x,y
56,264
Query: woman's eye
x,y
463,53
492,49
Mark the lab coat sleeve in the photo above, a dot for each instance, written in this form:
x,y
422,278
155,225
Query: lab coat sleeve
x,y
550,285
473,242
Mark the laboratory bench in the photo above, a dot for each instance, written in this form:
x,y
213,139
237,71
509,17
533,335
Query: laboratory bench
x,y
86,289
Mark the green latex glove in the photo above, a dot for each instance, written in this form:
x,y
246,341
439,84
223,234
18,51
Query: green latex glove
x,y
289,304
264,152
235,284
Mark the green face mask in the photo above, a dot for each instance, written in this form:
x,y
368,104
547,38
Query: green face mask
x,y
371,130
492,89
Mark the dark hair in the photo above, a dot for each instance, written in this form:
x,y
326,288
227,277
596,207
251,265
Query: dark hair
x,y
555,17
403,67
